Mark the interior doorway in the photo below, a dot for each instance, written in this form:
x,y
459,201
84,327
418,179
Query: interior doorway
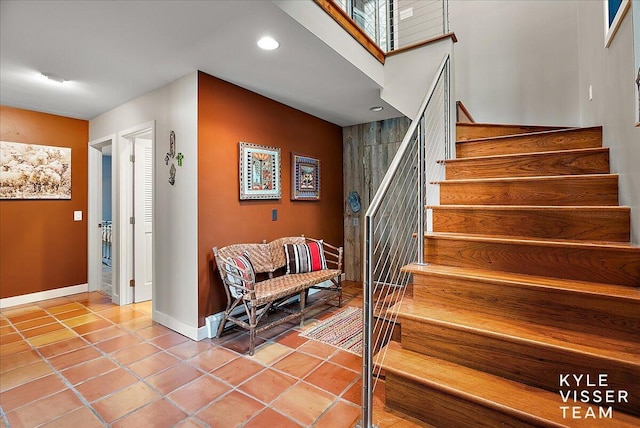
x,y
136,213
101,263
125,241
106,283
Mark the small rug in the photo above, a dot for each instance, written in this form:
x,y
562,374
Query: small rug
x,y
343,330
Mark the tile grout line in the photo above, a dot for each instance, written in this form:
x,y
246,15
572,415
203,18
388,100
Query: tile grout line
x,y
60,376
189,360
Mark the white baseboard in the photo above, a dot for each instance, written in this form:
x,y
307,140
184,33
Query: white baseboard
x,y
192,333
8,302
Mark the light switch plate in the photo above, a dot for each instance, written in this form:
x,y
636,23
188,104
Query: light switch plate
x,y
77,216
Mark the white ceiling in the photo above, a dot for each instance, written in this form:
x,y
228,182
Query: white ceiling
x,y
114,51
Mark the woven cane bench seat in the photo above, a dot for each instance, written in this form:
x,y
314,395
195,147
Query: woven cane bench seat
x,y
286,285
310,264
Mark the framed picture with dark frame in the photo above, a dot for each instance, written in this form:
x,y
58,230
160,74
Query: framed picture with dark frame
x,y
259,172
305,178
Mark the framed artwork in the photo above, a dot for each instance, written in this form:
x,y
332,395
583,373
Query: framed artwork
x,y
305,178
614,11
259,172
31,171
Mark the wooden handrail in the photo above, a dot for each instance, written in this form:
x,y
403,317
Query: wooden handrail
x,y
424,43
350,26
460,108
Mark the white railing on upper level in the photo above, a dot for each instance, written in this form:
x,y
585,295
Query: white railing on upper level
x,y
396,24
395,222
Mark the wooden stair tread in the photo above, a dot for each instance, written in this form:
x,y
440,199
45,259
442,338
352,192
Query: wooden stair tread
x,y
531,134
586,189
534,405
472,130
537,241
554,140
532,207
533,179
525,155
608,291
509,125
521,331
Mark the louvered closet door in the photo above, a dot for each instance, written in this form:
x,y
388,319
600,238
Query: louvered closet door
x,y
143,213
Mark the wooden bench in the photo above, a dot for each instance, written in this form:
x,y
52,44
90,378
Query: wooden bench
x,y
310,264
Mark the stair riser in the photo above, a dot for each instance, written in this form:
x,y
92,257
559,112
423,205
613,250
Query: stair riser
x,y
529,166
607,265
565,140
565,191
441,409
615,318
575,224
472,132
520,360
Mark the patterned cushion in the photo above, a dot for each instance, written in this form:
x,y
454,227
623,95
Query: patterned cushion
x,y
240,272
302,258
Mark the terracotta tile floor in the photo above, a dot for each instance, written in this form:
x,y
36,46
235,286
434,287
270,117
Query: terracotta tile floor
x,y
82,361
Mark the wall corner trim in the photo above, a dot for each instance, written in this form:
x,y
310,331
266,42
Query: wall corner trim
x,y
43,295
193,333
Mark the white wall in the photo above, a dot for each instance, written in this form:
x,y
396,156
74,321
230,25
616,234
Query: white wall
x,y
407,76
532,62
316,20
175,223
611,73
516,61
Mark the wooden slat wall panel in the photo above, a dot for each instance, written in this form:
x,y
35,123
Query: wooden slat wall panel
x,y
368,149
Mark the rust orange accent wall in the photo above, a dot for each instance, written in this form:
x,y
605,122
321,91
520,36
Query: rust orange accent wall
x,y
41,247
228,114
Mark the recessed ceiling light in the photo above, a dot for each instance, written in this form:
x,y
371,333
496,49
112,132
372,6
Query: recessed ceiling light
x,y
376,108
268,43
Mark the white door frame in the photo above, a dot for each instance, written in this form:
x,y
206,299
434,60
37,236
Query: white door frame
x,y
123,205
94,215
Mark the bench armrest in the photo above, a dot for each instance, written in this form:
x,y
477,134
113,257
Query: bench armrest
x,y
234,289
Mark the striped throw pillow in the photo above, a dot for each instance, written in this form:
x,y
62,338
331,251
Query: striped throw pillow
x,y
303,258
240,272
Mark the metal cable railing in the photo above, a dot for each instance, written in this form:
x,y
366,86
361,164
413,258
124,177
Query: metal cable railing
x,y
395,223
412,22
397,24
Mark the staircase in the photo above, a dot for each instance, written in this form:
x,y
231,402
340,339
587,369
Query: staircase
x,y
528,311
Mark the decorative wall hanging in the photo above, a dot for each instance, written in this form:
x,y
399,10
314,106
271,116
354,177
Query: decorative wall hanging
x,y
30,171
305,178
259,172
170,155
172,174
354,201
